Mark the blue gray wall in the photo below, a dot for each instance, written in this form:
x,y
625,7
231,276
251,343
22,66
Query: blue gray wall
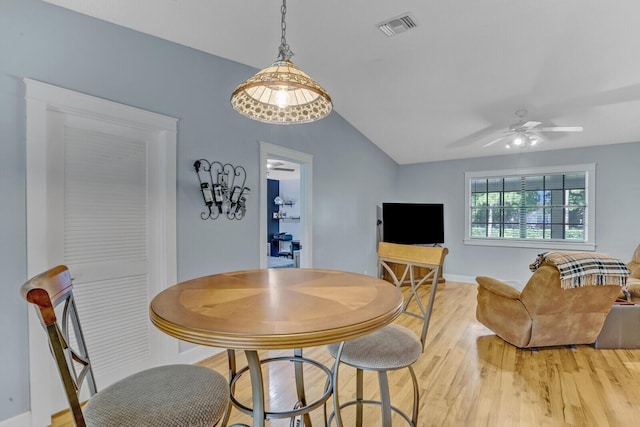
x,y
617,204
43,42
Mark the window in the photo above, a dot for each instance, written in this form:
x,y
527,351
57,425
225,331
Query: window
x,y
549,208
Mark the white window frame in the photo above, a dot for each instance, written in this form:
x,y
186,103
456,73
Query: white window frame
x,y
590,218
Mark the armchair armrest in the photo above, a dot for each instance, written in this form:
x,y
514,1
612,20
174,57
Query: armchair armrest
x,y
497,287
634,268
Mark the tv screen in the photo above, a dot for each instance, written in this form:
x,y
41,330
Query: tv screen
x,y
413,223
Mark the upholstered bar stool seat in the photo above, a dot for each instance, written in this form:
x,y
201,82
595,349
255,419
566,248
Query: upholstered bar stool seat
x,y
174,395
392,347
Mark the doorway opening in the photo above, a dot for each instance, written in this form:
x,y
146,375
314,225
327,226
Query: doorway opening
x,y
283,214
285,193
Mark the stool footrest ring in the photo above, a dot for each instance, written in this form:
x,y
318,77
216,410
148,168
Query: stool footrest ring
x,y
298,410
371,402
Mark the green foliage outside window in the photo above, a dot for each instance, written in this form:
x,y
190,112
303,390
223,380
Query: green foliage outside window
x,y
529,207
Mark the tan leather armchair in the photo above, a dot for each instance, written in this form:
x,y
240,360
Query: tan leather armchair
x,y
544,314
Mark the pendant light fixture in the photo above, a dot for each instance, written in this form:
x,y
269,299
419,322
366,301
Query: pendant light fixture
x,y
282,93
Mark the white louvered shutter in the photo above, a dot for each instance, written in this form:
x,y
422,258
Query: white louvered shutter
x,y
106,245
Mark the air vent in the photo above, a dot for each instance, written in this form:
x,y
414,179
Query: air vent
x,y
397,25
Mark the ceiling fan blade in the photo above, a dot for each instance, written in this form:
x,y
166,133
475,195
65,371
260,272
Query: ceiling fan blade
x,y
562,129
283,169
531,124
474,137
493,142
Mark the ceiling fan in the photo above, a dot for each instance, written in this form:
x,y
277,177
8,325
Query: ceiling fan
x,y
529,133
277,166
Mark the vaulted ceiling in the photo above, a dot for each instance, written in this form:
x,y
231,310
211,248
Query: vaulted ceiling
x,y
443,89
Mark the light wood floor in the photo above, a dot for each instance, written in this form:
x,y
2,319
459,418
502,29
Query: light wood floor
x,y
469,377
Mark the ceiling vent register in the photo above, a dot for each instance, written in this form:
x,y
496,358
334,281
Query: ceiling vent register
x,y
397,25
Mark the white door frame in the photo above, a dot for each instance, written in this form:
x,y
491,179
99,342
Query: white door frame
x,y
305,160
44,101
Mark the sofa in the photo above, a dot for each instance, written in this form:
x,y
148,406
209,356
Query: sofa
x,y
544,313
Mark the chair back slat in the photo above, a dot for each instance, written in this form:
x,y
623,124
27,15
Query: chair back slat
x,y
416,255
46,292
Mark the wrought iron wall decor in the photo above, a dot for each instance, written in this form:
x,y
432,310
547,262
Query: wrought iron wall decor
x,y
223,189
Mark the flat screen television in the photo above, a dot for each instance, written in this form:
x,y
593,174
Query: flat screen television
x,y
413,223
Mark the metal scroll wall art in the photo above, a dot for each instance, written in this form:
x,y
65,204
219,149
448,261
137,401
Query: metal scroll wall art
x,y
223,190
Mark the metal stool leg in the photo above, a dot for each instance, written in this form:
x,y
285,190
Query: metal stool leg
x,y
231,359
257,387
334,385
300,385
359,396
416,397
385,398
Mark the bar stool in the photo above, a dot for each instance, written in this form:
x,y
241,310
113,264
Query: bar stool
x,y
164,396
394,346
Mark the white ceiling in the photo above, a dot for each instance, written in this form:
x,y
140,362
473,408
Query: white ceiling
x,y
443,89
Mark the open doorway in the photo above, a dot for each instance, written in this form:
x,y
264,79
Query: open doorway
x,y
285,199
283,214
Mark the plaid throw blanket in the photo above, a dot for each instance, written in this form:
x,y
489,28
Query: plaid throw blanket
x,y
585,268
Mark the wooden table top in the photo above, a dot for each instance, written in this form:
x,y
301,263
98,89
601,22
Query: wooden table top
x,y
275,308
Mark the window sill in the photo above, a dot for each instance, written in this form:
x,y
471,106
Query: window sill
x,y
537,244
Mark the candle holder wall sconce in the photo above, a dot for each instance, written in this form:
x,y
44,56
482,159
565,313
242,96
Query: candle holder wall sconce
x,y
223,189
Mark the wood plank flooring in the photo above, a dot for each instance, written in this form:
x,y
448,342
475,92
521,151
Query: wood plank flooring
x,y
469,377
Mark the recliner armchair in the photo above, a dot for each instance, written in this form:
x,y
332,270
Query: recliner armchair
x,y
633,282
543,313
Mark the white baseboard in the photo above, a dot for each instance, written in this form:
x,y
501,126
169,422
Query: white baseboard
x,y
459,278
22,420
195,354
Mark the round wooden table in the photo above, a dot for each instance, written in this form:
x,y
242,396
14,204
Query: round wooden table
x,y
275,309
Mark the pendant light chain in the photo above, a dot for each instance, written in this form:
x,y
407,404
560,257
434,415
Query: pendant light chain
x,y
284,52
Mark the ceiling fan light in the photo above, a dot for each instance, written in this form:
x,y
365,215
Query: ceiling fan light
x,y
528,134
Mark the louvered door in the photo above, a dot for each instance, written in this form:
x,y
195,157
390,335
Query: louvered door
x,y
100,198
105,243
